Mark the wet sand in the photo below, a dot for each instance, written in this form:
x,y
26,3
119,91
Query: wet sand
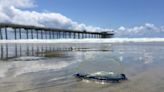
x,y
142,63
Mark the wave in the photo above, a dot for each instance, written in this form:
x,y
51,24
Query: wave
x,y
110,40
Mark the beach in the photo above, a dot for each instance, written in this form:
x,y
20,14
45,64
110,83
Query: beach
x,y
40,67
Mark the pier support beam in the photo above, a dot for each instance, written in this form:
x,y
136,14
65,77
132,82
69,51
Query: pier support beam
x,y
6,35
86,36
74,35
37,36
59,34
49,34
1,35
32,36
92,35
15,33
27,33
46,34
82,35
64,35
79,35
20,33
70,35
41,34
53,35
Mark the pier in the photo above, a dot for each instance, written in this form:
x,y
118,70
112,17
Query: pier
x,y
16,31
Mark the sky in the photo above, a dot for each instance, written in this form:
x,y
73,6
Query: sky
x,y
127,18
108,13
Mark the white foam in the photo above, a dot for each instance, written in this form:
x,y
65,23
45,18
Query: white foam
x,y
27,58
110,40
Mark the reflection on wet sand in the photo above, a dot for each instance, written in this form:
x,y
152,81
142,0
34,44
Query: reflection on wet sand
x,y
21,50
142,64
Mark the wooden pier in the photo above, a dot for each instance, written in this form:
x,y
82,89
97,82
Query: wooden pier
x,y
16,31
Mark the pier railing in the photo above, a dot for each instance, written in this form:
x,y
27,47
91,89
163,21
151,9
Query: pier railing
x,y
16,31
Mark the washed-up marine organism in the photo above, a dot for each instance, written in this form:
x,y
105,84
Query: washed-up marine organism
x,y
101,76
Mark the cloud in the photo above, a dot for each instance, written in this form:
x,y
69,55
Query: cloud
x,y
17,3
146,30
15,11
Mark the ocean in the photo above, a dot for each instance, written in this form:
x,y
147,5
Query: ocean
x,y
49,67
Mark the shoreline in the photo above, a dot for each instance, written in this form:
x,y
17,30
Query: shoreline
x,y
111,40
